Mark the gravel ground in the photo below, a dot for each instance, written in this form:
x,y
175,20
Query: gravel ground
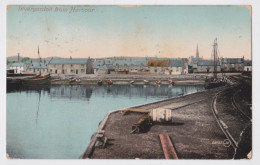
x,y
194,130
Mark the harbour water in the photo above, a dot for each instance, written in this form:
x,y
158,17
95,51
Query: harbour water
x,y
57,121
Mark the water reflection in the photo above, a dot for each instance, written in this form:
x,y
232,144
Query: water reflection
x,y
84,92
57,121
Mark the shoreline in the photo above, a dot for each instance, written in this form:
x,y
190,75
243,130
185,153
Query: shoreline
x,y
121,82
125,79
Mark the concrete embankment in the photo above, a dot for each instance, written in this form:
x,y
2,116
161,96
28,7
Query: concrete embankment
x,y
194,131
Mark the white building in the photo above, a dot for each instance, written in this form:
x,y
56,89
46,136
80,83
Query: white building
x,y
19,68
248,66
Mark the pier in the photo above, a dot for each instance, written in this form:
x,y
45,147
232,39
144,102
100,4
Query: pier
x,y
212,124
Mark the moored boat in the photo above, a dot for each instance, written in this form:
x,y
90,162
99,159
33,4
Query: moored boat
x,y
171,82
146,82
17,80
109,82
158,82
78,80
100,82
37,80
132,82
71,80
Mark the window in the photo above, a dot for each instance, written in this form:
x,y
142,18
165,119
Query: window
x,y
50,70
82,65
71,65
62,65
71,70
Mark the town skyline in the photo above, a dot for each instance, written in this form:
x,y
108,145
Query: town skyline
x,y
115,31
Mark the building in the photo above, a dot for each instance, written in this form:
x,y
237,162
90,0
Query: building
x,y
177,67
207,66
130,66
193,61
232,64
19,68
106,69
158,66
248,66
37,67
71,66
97,64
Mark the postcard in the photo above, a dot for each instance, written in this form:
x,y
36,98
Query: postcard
x,y
129,82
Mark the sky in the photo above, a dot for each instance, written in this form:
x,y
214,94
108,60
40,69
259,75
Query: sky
x,y
139,31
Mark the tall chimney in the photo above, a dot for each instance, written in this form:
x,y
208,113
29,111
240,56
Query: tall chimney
x,y
18,57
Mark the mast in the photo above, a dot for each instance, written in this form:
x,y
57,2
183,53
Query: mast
x,y
40,59
215,57
39,54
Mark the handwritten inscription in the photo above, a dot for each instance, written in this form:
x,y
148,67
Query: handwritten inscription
x,y
73,9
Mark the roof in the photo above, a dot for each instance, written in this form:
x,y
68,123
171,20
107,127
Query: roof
x,y
207,63
248,63
159,63
38,66
98,63
175,63
129,63
17,64
232,60
69,61
107,67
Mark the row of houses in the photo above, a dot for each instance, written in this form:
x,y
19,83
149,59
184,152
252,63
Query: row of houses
x,y
223,65
130,65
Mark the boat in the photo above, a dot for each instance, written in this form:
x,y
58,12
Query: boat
x,y
71,80
146,82
17,80
100,82
158,82
171,82
37,80
78,80
132,82
109,82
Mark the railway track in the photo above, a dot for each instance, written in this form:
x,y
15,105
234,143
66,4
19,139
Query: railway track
x,y
237,107
222,125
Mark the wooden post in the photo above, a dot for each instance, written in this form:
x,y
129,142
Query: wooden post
x,y
167,146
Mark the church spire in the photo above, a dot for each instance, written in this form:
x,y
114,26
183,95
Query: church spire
x,y
197,52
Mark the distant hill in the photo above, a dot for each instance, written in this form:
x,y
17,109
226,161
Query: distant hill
x,y
13,59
